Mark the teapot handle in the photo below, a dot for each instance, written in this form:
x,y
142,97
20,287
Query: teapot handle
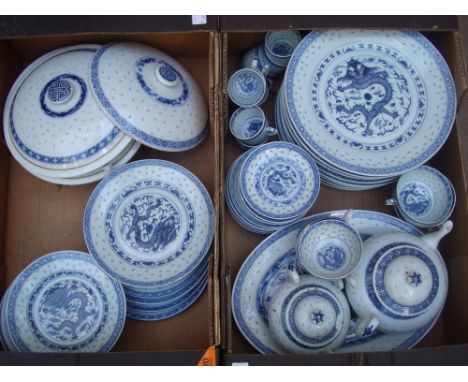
x,y
366,327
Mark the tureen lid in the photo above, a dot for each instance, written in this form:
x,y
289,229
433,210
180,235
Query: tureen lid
x,y
50,116
149,95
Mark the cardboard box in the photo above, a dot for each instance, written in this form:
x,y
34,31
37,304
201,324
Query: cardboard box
x,y
37,217
442,344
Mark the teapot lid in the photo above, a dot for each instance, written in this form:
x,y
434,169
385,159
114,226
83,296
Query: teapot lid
x,y
312,315
404,281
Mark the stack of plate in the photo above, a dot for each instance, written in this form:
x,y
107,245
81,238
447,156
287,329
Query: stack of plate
x,y
271,186
62,302
150,224
367,105
77,112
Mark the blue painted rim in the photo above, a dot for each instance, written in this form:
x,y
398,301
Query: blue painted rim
x,y
127,126
289,146
31,268
136,315
395,170
128,167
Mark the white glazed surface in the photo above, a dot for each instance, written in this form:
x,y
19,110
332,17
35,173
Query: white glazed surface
x,y
279,180
425,195
247,87
162,193
78,138
35,332
400,137
266,269
317,242
314,325
365,297
125,82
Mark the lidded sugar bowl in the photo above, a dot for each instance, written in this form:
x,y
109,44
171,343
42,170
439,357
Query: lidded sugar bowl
x,y
401,283
308,315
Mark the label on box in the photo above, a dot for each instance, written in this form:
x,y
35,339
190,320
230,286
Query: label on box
x,y
199,20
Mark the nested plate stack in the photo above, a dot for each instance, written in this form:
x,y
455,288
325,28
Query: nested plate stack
x,y
271,186
62,302
368,105
77,112
150,224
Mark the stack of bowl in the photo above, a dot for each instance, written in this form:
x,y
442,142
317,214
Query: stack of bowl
x,y
150,224
62,302
368,105
271,186
77,112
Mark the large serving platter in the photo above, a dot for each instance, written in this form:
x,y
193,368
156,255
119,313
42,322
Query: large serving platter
x,y
369,102
267,266
149,223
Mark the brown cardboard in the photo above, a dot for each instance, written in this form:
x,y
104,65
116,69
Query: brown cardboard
x,y
237,243
39,217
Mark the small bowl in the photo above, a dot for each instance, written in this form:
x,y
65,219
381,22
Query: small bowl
x,y
279,46
248,87
424,197
329,249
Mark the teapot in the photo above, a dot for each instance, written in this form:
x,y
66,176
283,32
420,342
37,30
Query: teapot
x,y
401,282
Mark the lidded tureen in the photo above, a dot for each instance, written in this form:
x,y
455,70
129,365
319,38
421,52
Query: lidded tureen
x,y
401,283
308,315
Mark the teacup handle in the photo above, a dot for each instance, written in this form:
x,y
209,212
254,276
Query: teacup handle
x,y
366,327
271,131
390,202
351,281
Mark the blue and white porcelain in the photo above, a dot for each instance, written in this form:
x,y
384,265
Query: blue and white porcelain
x,y
308,315
401,282
280,46
149,223
330,249
95,176
424,197
52,124
268,266
149,95
248,87
63,302
279,180
376,103
250,127
262,61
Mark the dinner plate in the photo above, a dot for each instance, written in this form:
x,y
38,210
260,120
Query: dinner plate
x,y
149,223
149,96
53,122
370,102
63,302
265,269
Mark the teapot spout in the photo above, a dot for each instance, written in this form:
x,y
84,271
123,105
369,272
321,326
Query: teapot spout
x,y
432,239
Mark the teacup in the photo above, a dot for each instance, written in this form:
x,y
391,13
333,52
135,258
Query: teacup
x,y
249,126
424,197
329,249
258,54
279,46
249,87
